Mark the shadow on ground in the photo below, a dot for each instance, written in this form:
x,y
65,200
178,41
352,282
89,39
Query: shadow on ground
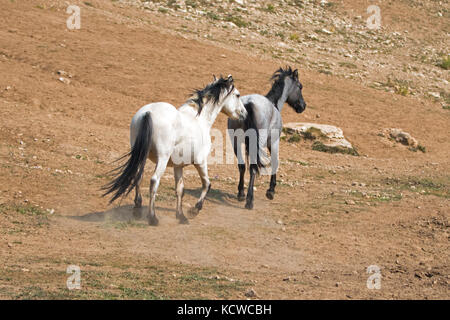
x,y
128,213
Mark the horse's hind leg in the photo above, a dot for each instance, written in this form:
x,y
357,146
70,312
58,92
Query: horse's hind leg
x,y
206,186
154,183
179,187
137,213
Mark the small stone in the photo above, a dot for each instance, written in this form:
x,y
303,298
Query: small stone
x,y
64,80
436,95
279,222
250,293
25,270
350,202
10,245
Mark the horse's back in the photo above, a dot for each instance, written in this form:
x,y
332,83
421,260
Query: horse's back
x,y
263,109
163,117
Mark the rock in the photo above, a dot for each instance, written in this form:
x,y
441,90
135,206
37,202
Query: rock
x,y
279,222
64,80
350,202
250,293
436,95
330,136
230,24
402,137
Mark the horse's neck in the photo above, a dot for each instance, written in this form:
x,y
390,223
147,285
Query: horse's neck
x,y
209,114
278,97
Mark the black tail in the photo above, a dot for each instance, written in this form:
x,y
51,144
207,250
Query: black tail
x,y
250,123
128,175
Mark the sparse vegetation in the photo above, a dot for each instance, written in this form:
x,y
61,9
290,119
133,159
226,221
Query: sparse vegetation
x,y
445,63
319,146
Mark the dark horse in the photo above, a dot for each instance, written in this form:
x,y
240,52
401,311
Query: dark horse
x,y
264,118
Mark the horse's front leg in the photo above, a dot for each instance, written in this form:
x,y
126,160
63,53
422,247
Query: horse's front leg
x,y
270,193
206,186
179,187
251,183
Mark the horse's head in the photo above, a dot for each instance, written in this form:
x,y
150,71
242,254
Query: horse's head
x,y
295,97
232,105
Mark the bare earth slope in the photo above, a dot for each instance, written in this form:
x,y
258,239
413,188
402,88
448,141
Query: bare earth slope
x,y
333,215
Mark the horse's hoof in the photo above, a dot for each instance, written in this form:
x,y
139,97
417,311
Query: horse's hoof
x,y
270,194
193,212
183,220
199,205
249,205
241,196
153,221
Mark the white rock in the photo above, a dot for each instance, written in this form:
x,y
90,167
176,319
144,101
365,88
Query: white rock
x,y
334,134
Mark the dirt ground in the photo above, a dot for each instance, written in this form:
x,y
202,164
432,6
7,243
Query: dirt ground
x,y
333,215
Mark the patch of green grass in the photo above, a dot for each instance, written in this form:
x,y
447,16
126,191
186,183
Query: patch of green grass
x,y
163,10
319,146
122,225
313,133
294,138
238,21
401,87
445,63
190,3
23,209
302,163
212,16
88,4
327,72
426,186
348,65
418,148
270,8
294,37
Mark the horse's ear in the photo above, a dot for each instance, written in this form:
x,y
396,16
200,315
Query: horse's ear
x,y
230,80
214,77
295,73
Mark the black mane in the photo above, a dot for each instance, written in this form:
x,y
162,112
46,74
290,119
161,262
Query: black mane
x,y
278,84
211,92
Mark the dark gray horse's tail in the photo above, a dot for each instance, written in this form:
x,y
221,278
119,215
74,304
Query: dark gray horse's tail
x,y
128,175
250,123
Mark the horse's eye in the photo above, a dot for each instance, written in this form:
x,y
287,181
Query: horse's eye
x,y
238,95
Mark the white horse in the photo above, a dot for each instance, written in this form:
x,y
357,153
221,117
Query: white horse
x,y
175,138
